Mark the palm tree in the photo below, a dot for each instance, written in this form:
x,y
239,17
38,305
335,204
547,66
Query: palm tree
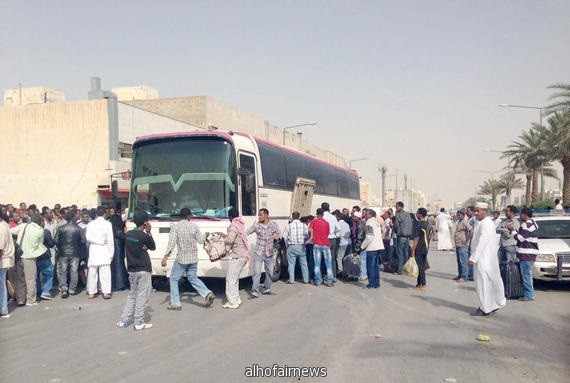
x,y
562,99
508,182
557,137
557,134
526,156
493,188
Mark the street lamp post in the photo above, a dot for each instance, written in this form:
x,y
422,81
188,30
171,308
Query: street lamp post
x,y
540,109
295,126
354,160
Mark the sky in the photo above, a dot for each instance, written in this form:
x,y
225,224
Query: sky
x,y
412,85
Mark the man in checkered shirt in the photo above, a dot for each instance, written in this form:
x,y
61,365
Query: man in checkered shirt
x,y
185,236
295,235
267,231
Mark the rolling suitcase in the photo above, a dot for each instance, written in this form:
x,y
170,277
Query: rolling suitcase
x,y
390,267
351,266
512,281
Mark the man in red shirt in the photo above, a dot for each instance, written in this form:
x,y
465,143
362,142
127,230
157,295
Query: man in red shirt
x,y
319,230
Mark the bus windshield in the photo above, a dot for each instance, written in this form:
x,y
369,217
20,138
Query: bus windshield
x,y
194,172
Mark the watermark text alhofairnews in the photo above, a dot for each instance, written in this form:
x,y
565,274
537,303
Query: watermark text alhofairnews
x,y
277,371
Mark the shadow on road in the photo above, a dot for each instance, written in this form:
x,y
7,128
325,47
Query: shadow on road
x,y
551,286
438,302
438,274
401,284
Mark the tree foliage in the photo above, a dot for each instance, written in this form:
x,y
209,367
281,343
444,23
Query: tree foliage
x,y
491,188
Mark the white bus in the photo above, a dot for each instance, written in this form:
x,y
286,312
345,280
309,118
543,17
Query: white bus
x,y
211,172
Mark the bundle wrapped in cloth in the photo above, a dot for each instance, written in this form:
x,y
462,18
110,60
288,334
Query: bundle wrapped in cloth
x,y
215,246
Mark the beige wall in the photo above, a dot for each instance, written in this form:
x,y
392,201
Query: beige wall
x,y
205,111
56,152
135,122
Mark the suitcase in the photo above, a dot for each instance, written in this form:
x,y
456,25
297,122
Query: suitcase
x,y
512,280
351,266
390,267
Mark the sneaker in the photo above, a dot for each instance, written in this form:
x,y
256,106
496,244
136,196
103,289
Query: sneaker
x,y
72,292
362,278
5,316
526,299
122,324
46,297
32,304
229,305
209,299
254,294
65,294
460,280
266,292
174,308
142,326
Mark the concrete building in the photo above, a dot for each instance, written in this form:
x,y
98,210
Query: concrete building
x,y
207,112
130,93
70,152
32,96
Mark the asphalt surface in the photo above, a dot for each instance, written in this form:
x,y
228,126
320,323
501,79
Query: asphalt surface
x,y
391,334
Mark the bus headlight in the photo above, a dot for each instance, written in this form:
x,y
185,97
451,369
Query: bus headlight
x,y
545,258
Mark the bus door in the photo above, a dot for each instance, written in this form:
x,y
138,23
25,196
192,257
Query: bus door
x,y
248,184
302,197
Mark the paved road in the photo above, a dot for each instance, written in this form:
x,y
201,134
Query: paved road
x,y
393,334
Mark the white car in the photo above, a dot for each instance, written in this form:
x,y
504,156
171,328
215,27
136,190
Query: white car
x,y
553,260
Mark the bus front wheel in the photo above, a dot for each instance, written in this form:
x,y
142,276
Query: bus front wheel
x,y
277,269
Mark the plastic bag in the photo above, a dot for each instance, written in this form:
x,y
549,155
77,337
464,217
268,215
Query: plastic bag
x,y
411,268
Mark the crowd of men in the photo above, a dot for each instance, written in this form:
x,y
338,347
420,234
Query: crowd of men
x,y
66,247
88,247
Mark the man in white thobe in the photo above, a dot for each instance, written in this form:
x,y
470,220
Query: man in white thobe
x,y
99,234
443,231
484,246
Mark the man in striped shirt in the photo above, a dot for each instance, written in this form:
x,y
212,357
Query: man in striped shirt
x,y
185,236
527,249
295,235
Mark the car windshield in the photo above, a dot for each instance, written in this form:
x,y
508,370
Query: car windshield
x,y
552,229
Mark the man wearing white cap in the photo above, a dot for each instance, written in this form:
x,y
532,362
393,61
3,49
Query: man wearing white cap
x,y
484,246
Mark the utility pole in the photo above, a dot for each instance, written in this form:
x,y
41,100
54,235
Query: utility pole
x,y
396,190
383,170
405,198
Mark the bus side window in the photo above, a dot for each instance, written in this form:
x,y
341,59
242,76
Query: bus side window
x,y
248,183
